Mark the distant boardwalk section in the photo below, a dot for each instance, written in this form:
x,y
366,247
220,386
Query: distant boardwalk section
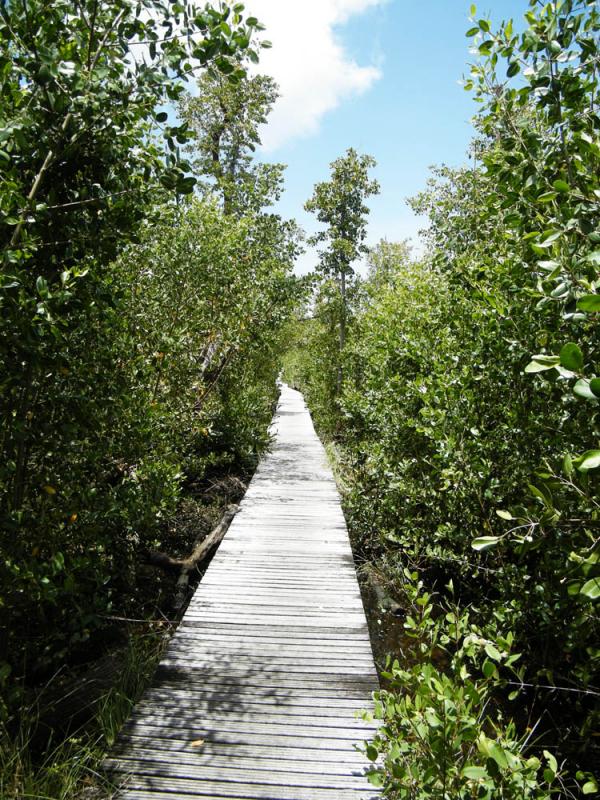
x,y
258,692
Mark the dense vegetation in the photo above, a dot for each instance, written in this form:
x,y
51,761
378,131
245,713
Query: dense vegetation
x,y
140,320
464,407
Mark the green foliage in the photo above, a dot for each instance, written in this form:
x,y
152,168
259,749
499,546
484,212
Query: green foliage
x,y
438,737
384,262
183,372
138,337
312,357
339,203
544,167
224,119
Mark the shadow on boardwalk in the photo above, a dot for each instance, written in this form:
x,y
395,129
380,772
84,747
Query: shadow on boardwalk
x,y
258,693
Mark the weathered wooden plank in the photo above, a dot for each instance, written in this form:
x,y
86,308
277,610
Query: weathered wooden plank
x,y
268,651
267,648
178,724
266,762
272,660
205,699
230,740
240,666
290,600
341,754
140,788
157,764
349,637
194,713
265,677
173,679
295,604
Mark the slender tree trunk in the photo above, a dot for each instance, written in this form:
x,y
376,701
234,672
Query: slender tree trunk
x,y
342,331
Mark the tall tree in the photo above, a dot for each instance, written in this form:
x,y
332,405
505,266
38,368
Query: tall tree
x,y
225,118
340,204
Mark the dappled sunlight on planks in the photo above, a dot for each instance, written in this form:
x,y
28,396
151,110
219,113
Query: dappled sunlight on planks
x,y
258,693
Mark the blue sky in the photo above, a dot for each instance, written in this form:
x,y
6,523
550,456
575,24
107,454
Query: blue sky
x,y
381,76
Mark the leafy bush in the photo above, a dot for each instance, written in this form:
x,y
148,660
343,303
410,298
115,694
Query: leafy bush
x,y
441,735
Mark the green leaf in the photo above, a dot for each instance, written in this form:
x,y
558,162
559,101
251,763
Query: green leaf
x,y
595,386
541,494
549,237
589,460
571,357
548,265
567,465
485,542
552,763
472,32
493,750
561,186
541,363
375,778
589,303
547,197
504,514
591,589
513,69
493,652
42,286
162,116
475,773
590,787
372,752
582,389
489,669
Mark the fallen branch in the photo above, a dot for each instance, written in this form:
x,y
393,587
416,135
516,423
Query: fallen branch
x,y
184,567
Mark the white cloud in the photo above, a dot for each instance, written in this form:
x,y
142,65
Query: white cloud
x,y
308,61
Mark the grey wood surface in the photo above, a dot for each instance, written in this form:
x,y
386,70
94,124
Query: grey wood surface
x,y
258,694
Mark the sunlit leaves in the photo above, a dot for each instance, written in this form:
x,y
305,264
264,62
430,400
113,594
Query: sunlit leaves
x,y
485,542
588,461
340,205
470,379
591,589
583,389
225,119
541,363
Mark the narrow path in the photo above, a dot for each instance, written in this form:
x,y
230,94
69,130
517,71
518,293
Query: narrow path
x,y
257,693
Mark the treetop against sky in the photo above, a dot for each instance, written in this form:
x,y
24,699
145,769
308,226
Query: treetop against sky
x,y
382,76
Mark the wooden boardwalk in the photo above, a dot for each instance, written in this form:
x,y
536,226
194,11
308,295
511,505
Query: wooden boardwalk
x,y
257,694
